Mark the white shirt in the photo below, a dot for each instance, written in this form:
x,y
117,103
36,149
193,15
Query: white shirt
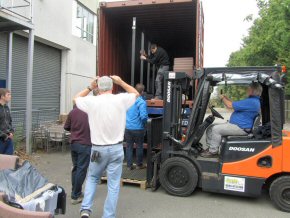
x,y
107,116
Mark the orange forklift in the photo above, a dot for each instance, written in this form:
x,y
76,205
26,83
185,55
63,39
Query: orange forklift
x,y
246,164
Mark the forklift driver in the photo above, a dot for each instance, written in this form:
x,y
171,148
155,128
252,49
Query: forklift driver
x,y
241,121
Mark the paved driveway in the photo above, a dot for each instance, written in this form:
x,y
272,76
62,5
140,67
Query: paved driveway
x,y
137,203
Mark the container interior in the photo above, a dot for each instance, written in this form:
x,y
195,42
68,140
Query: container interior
x,y
171,26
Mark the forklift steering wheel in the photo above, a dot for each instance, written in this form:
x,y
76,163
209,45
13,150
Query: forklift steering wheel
x,y
215,113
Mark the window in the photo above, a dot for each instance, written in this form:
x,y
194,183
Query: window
x,y
84,23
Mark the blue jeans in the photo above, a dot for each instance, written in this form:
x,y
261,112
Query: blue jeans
x,y
80,155
110,160
134,136
6,147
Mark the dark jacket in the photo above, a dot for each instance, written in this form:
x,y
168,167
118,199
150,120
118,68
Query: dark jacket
x,y
160,58
78,125
5,122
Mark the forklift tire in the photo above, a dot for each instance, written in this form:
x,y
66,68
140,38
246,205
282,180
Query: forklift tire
x,y
178,176
280,193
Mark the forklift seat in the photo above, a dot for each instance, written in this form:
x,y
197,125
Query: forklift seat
x,y
250,135
256,124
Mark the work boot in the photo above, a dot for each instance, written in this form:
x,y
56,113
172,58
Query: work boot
x,y
208,154
85,213
157,98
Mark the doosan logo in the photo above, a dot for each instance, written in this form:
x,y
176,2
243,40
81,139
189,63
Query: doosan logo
x,y
241,149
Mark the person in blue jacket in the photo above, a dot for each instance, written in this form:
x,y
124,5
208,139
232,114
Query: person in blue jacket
x,y
136,120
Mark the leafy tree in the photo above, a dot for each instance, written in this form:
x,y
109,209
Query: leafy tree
x,y
268,42
234,92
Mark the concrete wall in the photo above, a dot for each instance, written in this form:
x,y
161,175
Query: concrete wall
x,y
90,4
53,26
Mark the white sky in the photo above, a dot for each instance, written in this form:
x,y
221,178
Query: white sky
x,y
225,28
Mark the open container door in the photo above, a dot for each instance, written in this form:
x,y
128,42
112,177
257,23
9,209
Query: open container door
x,y
173,25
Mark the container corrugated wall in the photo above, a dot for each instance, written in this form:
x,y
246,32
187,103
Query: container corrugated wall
x,y
111,60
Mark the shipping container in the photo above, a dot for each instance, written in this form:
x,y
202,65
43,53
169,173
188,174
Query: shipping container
x,y
175,25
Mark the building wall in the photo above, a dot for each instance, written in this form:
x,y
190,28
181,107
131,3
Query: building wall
x,y
91,4
53,26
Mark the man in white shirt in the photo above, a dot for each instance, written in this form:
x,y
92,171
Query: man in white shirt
x,y
107,120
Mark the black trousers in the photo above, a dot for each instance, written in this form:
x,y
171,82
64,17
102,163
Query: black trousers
x,y
80,155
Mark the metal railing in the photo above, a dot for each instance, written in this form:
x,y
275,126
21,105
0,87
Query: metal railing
x,y
19,8
39,116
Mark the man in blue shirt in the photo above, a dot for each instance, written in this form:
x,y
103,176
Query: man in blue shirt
x,y
241,121
136,119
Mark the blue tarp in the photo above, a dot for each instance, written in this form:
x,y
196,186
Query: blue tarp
x,y
2,83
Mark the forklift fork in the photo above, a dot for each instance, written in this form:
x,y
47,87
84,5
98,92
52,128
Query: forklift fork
x,y
155,184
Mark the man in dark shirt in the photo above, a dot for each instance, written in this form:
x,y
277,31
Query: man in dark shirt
x,y
159,57
6,130
77,123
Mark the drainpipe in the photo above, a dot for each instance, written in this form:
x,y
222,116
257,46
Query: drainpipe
x,y
9,63
28,123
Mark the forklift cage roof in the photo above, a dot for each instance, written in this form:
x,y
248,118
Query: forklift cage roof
x,y
237,75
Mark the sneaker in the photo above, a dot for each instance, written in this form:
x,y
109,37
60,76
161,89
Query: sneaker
x,y
130,168
78,200
85,213
140,167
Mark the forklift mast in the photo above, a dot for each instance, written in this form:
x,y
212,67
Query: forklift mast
x,y
176,88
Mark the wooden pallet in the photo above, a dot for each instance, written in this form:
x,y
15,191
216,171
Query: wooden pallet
x,y
141,183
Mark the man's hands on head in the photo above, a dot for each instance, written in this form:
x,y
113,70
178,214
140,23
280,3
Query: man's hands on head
x,y
117,80
94,83
85,92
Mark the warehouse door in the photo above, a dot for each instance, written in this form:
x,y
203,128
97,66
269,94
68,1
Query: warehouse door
x,y
46,78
